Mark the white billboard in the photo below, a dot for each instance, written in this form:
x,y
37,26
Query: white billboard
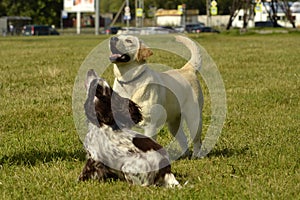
x,y
79,5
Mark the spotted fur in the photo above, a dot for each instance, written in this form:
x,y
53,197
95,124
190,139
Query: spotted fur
x,y
113,149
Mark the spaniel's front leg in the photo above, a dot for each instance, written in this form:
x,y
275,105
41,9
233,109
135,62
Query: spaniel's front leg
x,y
93,170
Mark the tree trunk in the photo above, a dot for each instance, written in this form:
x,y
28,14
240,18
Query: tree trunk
x,y
247,13
236,6
288,13
272,12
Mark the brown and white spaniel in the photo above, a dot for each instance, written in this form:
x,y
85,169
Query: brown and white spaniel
x,y
113,149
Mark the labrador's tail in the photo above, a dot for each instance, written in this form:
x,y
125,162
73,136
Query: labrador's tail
x,y
195,60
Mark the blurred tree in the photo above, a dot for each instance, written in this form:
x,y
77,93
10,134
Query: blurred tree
x,y
286,9
224,6
234,8
274,7
272,12
41,11
49,11
172,4
112,5
248,13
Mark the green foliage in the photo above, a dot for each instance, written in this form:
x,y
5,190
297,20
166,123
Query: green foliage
x,y
114,6
256,156
49,11
111,6
41,11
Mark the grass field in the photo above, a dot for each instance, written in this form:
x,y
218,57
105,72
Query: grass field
x,y
256,157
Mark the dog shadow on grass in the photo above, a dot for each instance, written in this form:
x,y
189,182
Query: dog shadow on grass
x,y
34,157
229,152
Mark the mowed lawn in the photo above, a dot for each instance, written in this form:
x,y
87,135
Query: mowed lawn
x,y
256,157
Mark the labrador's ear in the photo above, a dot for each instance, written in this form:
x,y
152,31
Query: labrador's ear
x,y
143,53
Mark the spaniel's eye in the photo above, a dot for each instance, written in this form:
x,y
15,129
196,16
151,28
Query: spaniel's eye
x,y
128,41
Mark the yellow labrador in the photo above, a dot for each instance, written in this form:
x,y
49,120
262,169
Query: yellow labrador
x,y
172,96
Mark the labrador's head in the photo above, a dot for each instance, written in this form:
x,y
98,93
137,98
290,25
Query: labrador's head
x,y
128,48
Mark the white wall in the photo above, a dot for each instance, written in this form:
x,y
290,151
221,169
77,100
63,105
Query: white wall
x,y
238,20
218,20
175,20
264,16
222,20
168,20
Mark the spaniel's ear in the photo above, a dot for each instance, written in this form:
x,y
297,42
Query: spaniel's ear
x,y
90,111
135,112
90,76
143,52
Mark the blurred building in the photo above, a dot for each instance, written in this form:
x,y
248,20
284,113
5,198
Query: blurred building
x,y
13,25
175,17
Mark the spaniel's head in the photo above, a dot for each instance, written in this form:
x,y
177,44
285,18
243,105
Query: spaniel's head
x,y
104,106
128,48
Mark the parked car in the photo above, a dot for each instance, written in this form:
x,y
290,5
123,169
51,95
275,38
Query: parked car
x,y
179,29
146,30
29,30
170,29
190,27
158,30
204,29
209,29
112,30
129,30
266,24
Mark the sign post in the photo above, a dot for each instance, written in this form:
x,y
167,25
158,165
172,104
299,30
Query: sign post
x,y
64,15
127,15
213,8
97,15
181,11
78,20
71,6
207,12
258,7
139,12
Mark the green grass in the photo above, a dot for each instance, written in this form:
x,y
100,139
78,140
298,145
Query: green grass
x,y
256,157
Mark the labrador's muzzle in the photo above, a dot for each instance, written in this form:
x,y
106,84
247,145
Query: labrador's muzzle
x,y
116,55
